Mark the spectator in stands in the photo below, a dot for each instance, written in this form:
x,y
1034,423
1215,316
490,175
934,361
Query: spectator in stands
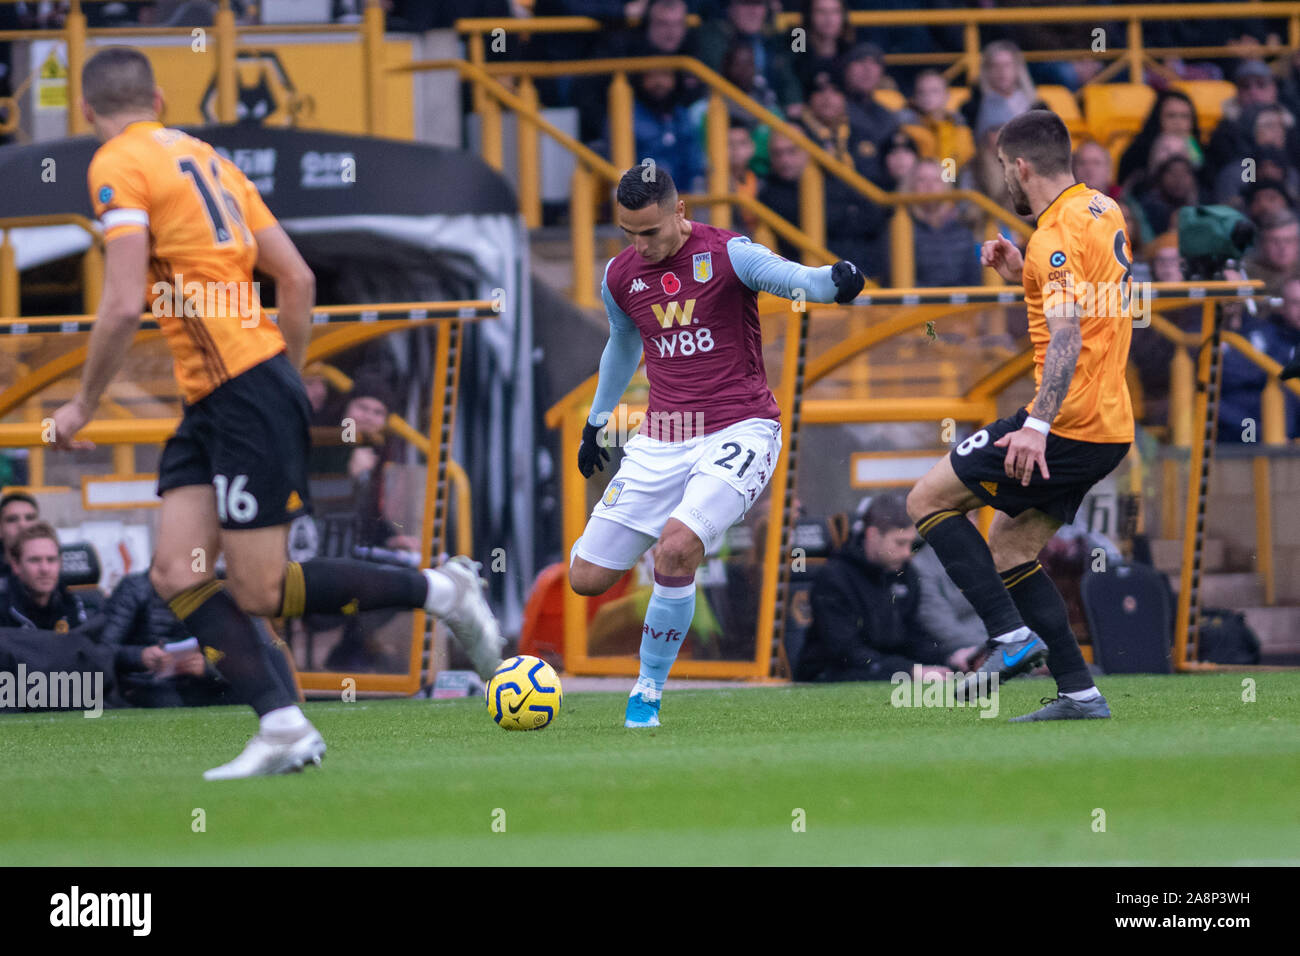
x,y
1150,352
1264,197
34,598
944,248
855,226
1266,157
1243,381
1288,86
1093,167
828,36
826,121
663,32
901,157
665,130
985,173
1275,257
938,132
864,606
861,74
745,20
18,512
741,178
741,69
1234,137
1004,89
1173,186
1172,114
779,190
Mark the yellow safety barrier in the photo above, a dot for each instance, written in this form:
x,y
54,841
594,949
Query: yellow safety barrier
x,y
335,328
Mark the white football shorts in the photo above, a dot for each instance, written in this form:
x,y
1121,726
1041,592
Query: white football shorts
x,y
707,483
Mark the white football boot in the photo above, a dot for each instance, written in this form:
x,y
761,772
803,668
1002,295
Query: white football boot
x,y
469,617
272,752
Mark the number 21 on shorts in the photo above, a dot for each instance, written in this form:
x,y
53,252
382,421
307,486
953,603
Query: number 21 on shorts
x,y
233,502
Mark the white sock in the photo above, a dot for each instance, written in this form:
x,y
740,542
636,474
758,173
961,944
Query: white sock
x,y
283,718
442,592
1090,694
1019,634
646,688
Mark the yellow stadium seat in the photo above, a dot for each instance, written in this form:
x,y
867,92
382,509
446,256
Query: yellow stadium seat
x,y
1062,102
890,99
1116,110
1208,97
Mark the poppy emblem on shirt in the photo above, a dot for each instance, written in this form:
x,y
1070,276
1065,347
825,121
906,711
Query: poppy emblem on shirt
x,y
703,263
672,285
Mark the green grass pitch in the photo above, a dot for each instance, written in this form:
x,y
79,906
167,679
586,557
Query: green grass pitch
x,y
1186,773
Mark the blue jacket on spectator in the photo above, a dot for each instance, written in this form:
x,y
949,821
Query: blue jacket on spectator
x,y
671,140
1243,380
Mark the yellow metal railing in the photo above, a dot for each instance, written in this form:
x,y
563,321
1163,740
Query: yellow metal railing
x,y
1129,52
491,95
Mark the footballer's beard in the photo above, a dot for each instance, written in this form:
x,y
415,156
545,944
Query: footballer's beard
x,y
1019,201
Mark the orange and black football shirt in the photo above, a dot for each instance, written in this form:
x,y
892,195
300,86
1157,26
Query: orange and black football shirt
x,y
1080,255
201,215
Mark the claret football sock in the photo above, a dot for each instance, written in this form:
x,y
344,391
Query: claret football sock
x,y
232,644
966,557
667,619
1043,609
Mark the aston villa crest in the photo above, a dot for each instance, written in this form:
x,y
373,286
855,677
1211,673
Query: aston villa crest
x,y
703,262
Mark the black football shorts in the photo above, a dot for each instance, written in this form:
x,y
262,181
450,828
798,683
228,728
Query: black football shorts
x,y
249,438
1075,466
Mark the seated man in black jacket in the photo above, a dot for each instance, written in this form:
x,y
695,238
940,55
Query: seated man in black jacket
x,y
34,599
864,604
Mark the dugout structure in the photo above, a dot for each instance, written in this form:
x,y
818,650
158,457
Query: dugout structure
x,y
426,241
871,396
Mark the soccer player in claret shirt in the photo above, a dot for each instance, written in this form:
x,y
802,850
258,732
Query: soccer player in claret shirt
x,y
235,473
687,294
1036,466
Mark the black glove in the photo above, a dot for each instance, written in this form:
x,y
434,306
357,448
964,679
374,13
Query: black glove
x,y
590,452
848,281
1292,370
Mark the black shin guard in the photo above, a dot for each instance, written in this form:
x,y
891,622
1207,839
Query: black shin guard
x,y
966,557
1043,609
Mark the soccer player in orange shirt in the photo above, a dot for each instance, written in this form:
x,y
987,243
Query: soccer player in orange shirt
x,y
1036,466
186,227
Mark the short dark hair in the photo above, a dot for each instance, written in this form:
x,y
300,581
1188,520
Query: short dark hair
x,y
33,532
1040,138
886,513
116,79
644,184
13,496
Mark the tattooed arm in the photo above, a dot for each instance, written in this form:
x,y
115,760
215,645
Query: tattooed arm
x,y
1058,365
1027,447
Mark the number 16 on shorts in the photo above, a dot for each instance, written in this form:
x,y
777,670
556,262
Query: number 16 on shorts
x,y
234,503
